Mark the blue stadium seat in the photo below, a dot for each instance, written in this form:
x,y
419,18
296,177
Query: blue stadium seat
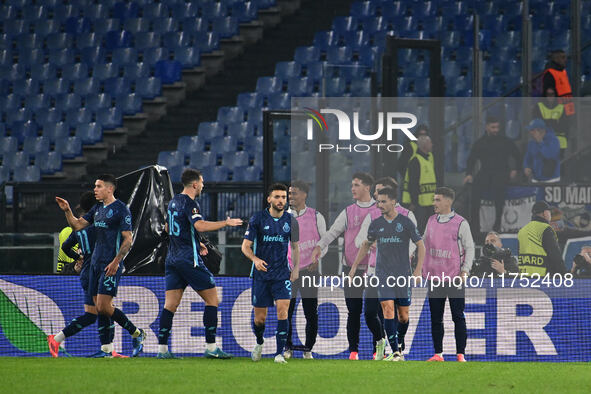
x,y
8,145
421,87
171,159
361,87
59,41
124,10
86,86
235,159
75,71
77,25
68,101
300,86
79,116
287,70
561,39
25,87
206,41
137,70
93,55
2,130
315,71
173,40
110,118
146,39
9,11
218,174
24,129
155,10
368,56
339,55
29,57
245,12
169,71
35,145
207,131
164,25
10,103
363,8
240,130
268,85
49,115
18,159
41,72
118,39
104,26
225,27
130,104
61,57
35,102
6,58
202,159
335,87
357,40
190,144
229,115
103,71
117,86
247,174
137,25
152,55
27,174
189,57
250,100
89,133
345,23
94,102
185,10
193,25
148,88
325,39
48,162
19,115
87,40
280,101
29,41
96,11
69,147
213,10
305,55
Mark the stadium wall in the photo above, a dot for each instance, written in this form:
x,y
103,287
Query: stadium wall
x,y
534,326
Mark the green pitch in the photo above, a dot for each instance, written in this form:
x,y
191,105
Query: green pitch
x,y
149,375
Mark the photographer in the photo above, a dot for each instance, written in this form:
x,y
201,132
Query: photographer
x,y
582,263
494,258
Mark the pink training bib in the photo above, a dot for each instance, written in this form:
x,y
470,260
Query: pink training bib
x,y
443,253
355,216
309,237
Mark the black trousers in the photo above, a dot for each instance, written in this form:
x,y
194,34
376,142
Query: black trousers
x,y
437,298
354,298
491,184
309,296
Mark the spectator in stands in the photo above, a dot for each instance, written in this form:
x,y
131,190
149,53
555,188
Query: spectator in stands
x,y
582,263
499,160
542,158
552,112
487,262
556,78
410,148
420,182
539,252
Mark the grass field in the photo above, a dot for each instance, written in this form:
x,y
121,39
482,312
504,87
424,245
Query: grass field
x,y
149,375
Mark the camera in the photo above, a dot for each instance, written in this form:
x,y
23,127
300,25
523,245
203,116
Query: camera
x,y
482,266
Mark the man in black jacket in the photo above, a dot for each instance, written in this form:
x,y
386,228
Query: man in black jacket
x,y
494,152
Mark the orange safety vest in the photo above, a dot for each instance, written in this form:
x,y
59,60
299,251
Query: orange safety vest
x,y
563,90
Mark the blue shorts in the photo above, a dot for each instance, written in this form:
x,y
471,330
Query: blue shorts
x,y
400,296
85,282
266,292
179,275
101,284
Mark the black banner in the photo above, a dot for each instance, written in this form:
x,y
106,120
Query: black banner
x,y
146,192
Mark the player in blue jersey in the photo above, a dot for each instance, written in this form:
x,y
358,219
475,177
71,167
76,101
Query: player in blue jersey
x,y
85,240
184,265
392,232
271,231
112,223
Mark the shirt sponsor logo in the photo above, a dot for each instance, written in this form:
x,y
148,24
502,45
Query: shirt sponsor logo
x,y
101,224
390,240
276,238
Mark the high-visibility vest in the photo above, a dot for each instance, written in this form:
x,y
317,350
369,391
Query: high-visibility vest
x,y
62,258
554,114
532,256
427,181
563,90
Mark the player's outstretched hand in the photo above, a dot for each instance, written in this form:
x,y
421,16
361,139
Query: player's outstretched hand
x,y
316,253
111,269
295,274
260,265
417,273
63,204
202,249
233,222
352,273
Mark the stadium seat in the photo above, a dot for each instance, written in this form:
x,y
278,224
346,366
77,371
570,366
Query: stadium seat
x,y
229,115
145,40
169,71
41,72
21,114
325,39
280,101
206,41
207,131
137,25
339,55
202,159
185,10
189,57
49,162
224,144
75,71
10,103
287,70
35,145
8,145
190,144
153,55
154,10
55,130
23,129
59,41
213,10
138,70
118,39
240,131
247,174
69,147
93,55
27,174
335,87
125,10
361,87
171,159
103,71
61,57
77,25
193,25
36,102
299,86
124,56
248,101
110,118
305,55
105,25
345,23
173,40
268,85
148,88
116,86
130,104
94,102
79,116
245,11
164,25
86,86
235,159
225,27
89,133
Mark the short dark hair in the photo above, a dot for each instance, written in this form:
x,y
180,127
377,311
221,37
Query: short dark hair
x,y
386,181
424,127
87,201
189,176
364,177
276,186
492,119
109,178
303,186
388,191
446,192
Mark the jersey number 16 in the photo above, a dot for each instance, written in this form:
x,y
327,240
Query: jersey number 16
x,y
173,226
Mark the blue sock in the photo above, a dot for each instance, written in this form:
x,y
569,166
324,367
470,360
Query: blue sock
x,y
281,336
390,326
123,321
259,331
165,326
210,322
111,330
402,328
79,323
104,322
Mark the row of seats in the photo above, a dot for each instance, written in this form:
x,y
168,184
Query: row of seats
x,y
69,146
